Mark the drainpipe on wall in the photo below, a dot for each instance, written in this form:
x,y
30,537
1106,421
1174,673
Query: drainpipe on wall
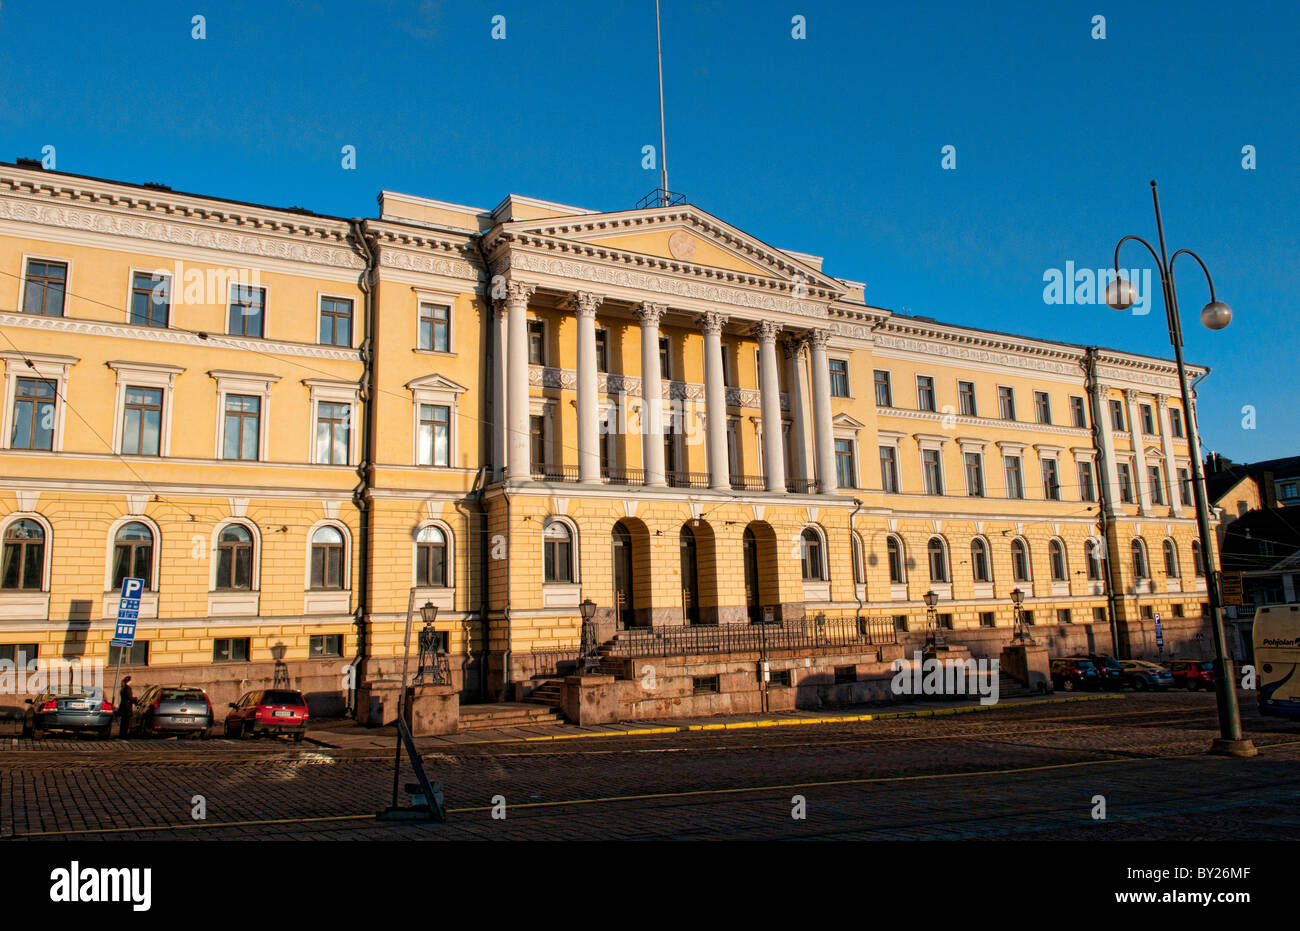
x,y
853,533
1089,365
505,671
476,495
363,243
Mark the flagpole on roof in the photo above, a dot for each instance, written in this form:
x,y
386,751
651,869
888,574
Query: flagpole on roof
x,y
663,138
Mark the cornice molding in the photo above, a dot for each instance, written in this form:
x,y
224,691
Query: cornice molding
x,y
1000,425
630,385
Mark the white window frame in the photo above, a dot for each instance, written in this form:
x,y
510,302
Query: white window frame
x,y
112,544
46,554
334,392
171,294
144,375
246,383
321,298
443,597
236,282
1017,451
237,602
67,284
441,299
925,443
52,367
437,390
562,594
848,381
347,556
546,341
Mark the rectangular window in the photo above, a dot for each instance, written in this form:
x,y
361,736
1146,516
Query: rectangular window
x,y
1148,420
45,287
20,654
1042,407
1179,610
889,469
537,441
1087,482
944,621
932,470
1148,613
1027,618
325,645
247,311
1157,484
332,432
1185,487
975,475
704,685
1176,422
966,398
1117,415
1051,481
900,623
142,421
845,675
243,427
435,327
602,350
150,299
1078,413
839,370
135,655
846,471
1125,482
536,343
779,679
925,393
1006,403
34,400
1062,615
665,358
335,321
884,393
1099,615
230,650
1015,477
987,619
435,435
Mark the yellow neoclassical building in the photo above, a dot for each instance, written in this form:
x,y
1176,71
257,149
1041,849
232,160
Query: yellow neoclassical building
x,y
291,425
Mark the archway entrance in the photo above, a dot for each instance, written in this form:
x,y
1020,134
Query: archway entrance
x,y
762,587
690,577
624,580
753,606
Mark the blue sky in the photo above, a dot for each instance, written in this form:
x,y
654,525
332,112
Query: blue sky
x,y
829,145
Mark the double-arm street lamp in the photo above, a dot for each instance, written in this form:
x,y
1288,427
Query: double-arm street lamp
x,y
1121,295
933,639
1018,632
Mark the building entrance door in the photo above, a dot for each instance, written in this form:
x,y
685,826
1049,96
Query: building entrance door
x,y
752,605
690,578
623,583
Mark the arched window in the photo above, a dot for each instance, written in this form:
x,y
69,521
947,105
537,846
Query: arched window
x,y
1096,553
1019,560
859,571
980,564
133,554
1056,556
557,552
811,555
431,558
897,568
938,554
1198,559
327,552
1140,568
24,556
234,558
1171,559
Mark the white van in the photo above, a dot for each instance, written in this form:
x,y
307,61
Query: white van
x,y
1277,656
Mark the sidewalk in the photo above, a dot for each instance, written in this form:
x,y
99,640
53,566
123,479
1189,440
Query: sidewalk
x,y
344,734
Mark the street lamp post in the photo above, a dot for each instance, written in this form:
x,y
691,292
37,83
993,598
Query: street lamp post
x,y
933,640
1018,633
1121,295
589,661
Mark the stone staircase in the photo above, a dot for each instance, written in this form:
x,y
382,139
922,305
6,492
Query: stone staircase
x,y
1013,688
546,693
508,714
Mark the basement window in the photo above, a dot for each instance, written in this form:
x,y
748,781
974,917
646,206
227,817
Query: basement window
x,y
846,674
705,685
779,680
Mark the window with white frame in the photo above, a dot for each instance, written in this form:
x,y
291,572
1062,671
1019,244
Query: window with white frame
x,y
812,555
1141,568
1020,566
150,299
839,377
247,314
45,287
431,562
558,539
24,556
335,327
329,559
144,401
981,566
436,401
1056,560
134,547
1095,551
435,327
937,551
895,556
242,414
34,400
235,565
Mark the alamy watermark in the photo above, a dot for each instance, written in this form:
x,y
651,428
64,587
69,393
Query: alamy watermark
x,y
930,676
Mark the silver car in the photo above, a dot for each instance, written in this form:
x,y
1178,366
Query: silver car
x,y
174,709
71,710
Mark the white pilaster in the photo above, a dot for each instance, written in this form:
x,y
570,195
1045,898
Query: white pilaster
x,y
796,382
1139,454
1167,445
652,394
500,391
1109,472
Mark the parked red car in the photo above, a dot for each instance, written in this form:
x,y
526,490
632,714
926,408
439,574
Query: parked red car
x,y
1192,674
268,711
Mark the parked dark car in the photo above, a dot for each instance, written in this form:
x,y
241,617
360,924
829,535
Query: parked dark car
x,y
1192,674
1142,675
1110,674
268,711
1071,673
173,709
72,710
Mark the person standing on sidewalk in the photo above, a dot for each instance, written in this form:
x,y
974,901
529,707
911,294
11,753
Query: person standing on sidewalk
x,y
125,703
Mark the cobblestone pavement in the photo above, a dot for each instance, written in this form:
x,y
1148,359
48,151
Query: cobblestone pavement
x,y
1032,772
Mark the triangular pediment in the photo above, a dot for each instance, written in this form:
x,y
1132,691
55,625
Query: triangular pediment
x,y
687,235
435,382
844,421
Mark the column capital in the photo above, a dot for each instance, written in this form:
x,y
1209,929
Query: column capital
x,y
1161,401
818,338
513,292
766,331
584,303
792,346
650,314
1131,395
713,322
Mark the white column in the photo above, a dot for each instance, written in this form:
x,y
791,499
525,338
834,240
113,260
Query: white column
x,y
1108,473
518,468
584,304
792,350
1171,467
499,388
821,399
1139,454
715,402
652,394
770,388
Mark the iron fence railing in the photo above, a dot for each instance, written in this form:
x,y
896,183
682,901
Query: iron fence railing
x,y
554,472
751,638
688,479
553,662
747,483
801,486
623,476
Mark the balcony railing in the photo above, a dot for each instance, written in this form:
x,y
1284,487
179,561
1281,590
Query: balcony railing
x,y
747,483
801,486
623,476
552,472
688,479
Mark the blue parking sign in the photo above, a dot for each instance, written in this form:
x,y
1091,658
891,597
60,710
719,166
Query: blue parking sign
x,y
128,612
1160,635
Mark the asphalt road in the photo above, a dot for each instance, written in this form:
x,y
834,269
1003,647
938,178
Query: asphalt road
x,y
1038,772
